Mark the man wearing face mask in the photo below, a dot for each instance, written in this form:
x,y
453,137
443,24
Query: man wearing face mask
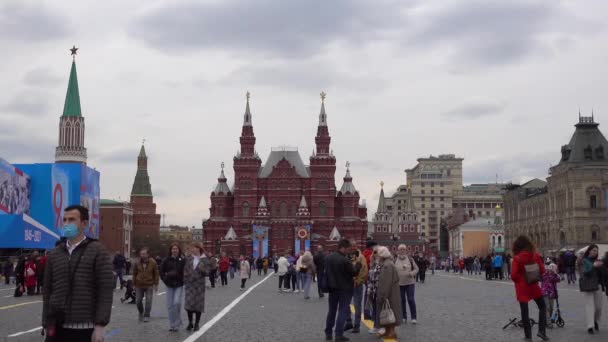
x,y
78,284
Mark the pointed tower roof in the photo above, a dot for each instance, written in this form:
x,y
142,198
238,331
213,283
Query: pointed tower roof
x,y
381,200
262,212
303,202
247,116
230,235
335,234
322,114
303,209
141,185
348,186
262,202
222,185
71,106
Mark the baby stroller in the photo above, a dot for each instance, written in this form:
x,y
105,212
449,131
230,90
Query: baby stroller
x,y
557,315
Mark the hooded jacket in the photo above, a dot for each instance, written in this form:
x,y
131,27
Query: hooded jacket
x,y
526,292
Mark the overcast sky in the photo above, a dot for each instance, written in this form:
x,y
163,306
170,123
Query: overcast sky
x,y
498,83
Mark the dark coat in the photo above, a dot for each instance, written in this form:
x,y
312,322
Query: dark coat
x,y
340,272
93,286
388,288
172,271
319,260
194,280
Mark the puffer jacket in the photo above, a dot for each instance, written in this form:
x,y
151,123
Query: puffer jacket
x,y
526,292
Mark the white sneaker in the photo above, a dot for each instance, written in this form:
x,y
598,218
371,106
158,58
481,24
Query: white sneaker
x,y
381,331
414,321
373,331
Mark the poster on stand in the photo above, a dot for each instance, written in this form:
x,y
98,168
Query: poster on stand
x,y
14,190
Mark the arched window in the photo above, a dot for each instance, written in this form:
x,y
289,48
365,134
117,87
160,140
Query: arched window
x,y
593,201
493,241
322,209
594,236
283,209
294,209
499,241
245,209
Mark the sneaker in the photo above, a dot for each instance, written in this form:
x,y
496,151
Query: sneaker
x,y
341,339
189,327
414,321
404,321
329,338
146,319
373,331
141,317
542,336
355,330
196,327
590,331
597,327
381,331
348,326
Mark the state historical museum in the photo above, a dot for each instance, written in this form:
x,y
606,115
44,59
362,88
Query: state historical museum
x,y
283,204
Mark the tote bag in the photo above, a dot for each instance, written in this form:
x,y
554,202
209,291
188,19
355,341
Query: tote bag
x,y
387,316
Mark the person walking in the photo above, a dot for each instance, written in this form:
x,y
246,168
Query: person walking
x,y
388,291
259,264
245,271
282,268
527,288
407,270
488,267
423,264
78,284
340,272
299,275
589,283
195,272
20,276
265,264
145,281
307,268
319,260
570,264
359,283
172,274
119,267
212,270
233,267
433,264
7,270
224,265
292,273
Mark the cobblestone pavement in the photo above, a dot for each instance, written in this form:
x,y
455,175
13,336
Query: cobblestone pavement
x,y
450,308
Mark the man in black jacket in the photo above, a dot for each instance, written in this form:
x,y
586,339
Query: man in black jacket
x,y
119,267
319,260
340,272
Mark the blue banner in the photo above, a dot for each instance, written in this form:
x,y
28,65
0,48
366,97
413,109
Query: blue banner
x,y
260,241
302,239
22,231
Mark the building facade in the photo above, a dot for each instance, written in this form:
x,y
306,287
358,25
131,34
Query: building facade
x,y
146,222
477,236
116,226
283,204
569,209
175,234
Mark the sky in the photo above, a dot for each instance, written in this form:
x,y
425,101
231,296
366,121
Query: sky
x,y
499,83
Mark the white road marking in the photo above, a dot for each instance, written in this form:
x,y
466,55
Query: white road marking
x,y
19,304
8,296
161,293
221,314
7,289
25,332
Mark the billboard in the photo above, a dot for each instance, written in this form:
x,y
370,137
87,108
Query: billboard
x,y
14,190
260,241
302,238
22,231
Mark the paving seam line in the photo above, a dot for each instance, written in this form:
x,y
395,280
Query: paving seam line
x,y
370,324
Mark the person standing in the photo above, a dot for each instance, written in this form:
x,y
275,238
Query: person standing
x,y
172,274
78,272
195,272
307,269
319,260
212,270
299,275
259,265
7,270
265,265
40,267
20,276
245,271
570,263
407,270
526,289
422,266
340,272
119,267
233,267
30,274
589,282
224,265
433,264
145,281
549,289
282,269
388,290
359,283
476,265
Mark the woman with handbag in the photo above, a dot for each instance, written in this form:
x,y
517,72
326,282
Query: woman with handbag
x,y
527,270
388,298
589,284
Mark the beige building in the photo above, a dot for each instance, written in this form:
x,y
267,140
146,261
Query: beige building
x,y
569,210
478,236
181,235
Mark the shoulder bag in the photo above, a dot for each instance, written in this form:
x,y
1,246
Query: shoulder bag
x,y
387,316
532,273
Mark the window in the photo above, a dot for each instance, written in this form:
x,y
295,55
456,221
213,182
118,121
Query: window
x,y
245,209
499,241
322,208
441,185
441,199
423,205
412,228
432,185
593,201
423,220
422,192
433,199
442,206
432,191
422,184
294,209
283,209
594,236
441,192
442,213
433,205
422,199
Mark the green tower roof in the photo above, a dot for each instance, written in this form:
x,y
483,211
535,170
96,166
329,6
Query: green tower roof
x,y
141,186
72,98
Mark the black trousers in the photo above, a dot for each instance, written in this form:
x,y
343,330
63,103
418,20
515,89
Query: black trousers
x,y
542,317
243,281
212,274
71,335
281,279
224,278
422,276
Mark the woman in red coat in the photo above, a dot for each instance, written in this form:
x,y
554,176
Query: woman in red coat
x,y
525,254
224,265
30,275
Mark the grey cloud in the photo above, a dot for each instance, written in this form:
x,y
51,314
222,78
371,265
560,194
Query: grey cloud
x,y
27,103
278,28
26,149
122,156
41,77
474,111
490,32
514,168
20,21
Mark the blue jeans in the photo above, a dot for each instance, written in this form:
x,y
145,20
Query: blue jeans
x,y
300,280
407,292
119,274
307,278
357,302
174,306
339,302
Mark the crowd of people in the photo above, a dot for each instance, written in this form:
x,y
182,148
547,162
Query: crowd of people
x,y
28,273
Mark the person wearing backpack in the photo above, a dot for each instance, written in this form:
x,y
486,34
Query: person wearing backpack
x,y
407,269
527,270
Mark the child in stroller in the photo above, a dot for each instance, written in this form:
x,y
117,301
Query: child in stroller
x,y
129,292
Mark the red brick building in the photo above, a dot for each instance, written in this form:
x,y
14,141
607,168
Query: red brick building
x,y
283,204
116,226
146,222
